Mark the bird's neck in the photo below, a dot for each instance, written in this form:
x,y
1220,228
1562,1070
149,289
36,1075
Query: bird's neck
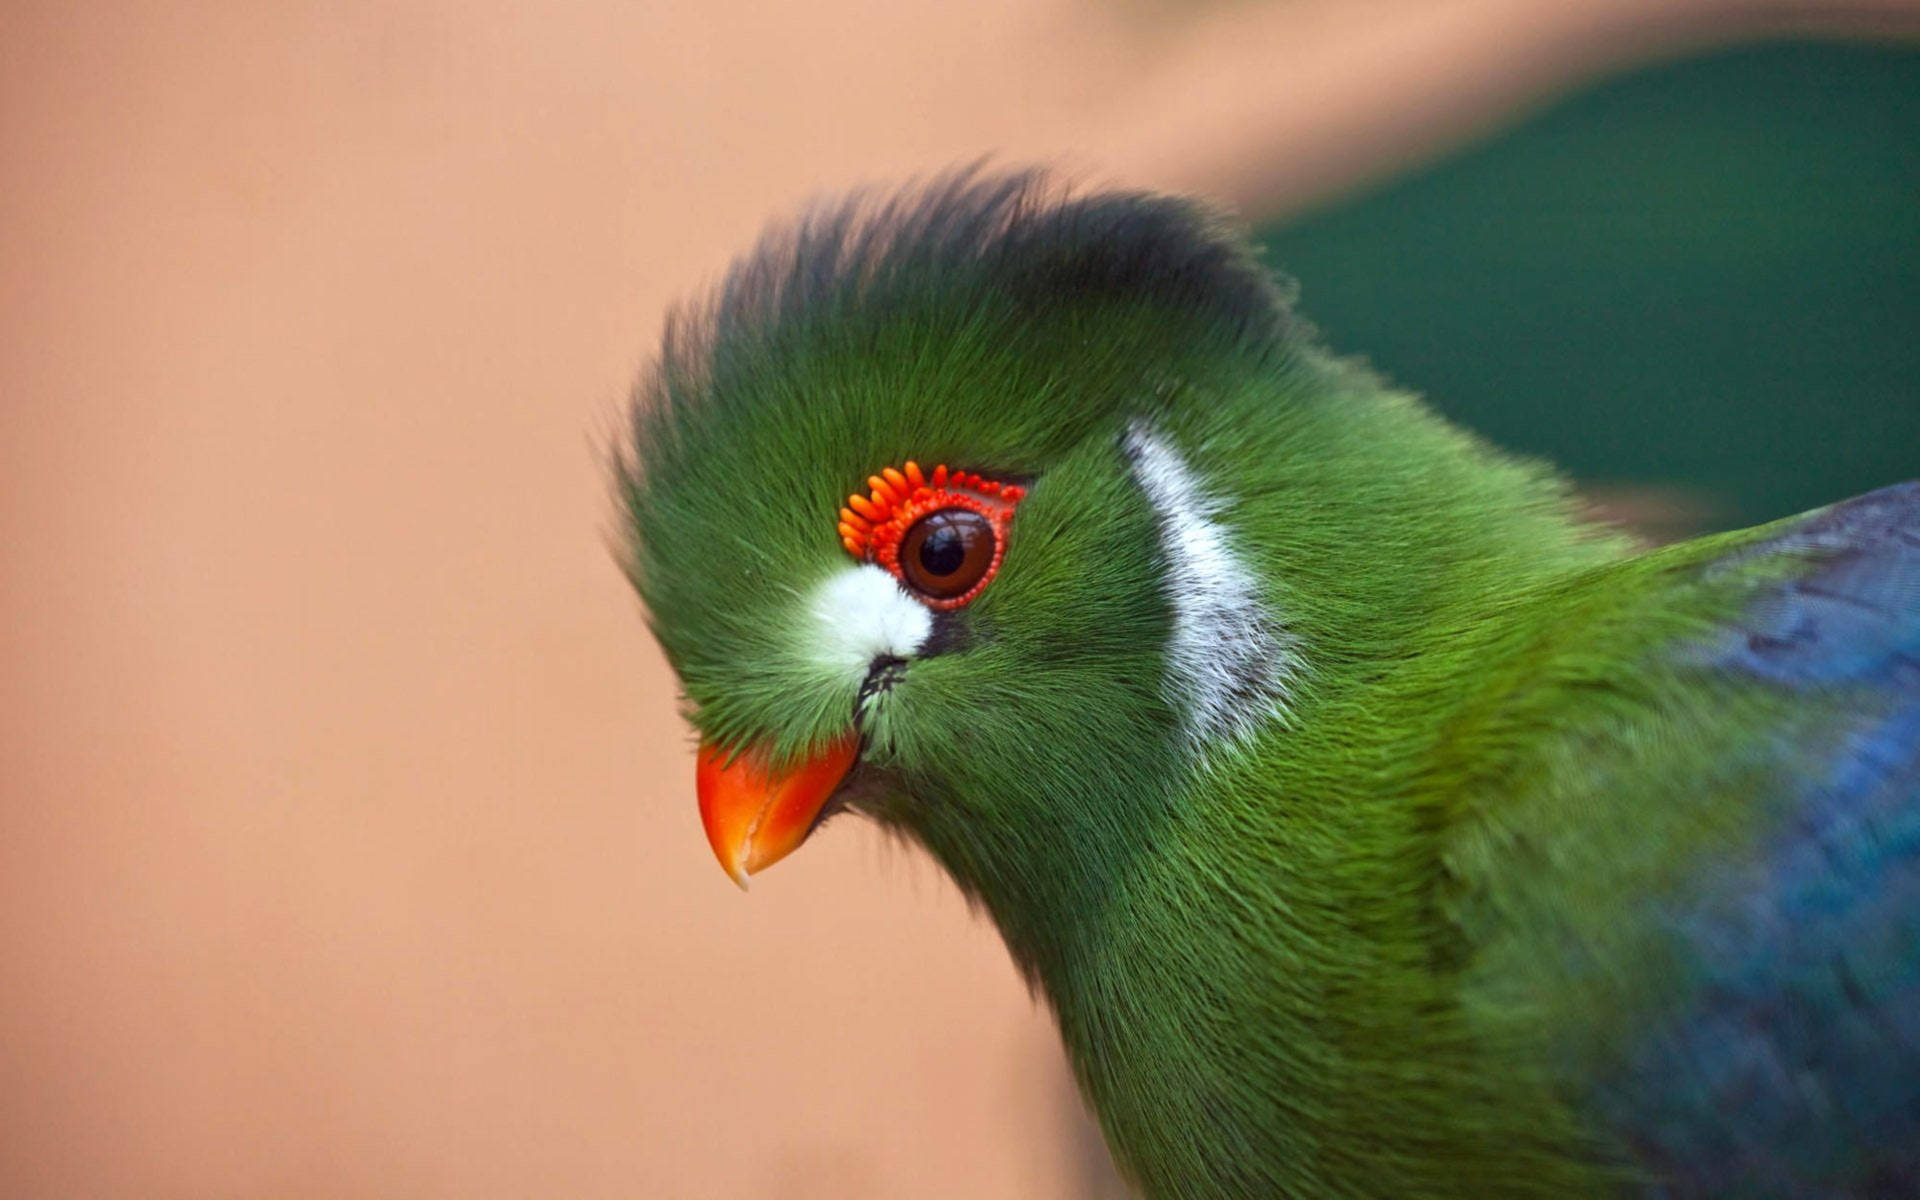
x,y
1266,978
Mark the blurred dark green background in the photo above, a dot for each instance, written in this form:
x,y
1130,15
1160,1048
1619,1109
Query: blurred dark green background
x,y
1704,275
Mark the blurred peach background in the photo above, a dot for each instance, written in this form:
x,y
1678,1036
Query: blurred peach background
x,y
348,844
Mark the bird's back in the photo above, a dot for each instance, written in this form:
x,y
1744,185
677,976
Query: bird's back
x,y
1717,921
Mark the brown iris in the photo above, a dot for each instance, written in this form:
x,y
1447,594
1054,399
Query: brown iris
x,y
945,553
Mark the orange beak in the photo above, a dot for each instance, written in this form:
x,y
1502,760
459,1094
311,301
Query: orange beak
x,y
755,817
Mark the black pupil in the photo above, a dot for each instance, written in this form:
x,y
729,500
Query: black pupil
x,y
942,552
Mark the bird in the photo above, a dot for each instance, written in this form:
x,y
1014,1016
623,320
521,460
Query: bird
x,y
1372,819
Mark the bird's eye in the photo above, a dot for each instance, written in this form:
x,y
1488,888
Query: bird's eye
x,y
942,534
946,552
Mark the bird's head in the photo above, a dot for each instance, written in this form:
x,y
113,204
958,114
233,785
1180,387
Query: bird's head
x,y
912,511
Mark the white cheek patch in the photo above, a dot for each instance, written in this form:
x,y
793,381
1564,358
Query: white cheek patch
x,y
860,614
1229,660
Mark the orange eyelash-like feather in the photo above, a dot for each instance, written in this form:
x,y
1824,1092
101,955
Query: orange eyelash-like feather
x,y
873,522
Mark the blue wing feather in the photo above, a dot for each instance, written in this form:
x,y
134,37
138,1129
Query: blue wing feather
x,y
1794,1069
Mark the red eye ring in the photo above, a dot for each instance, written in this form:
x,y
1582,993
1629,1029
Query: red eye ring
x,y
873,524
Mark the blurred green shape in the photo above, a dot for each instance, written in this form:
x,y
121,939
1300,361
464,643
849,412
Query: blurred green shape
x,y
1703,275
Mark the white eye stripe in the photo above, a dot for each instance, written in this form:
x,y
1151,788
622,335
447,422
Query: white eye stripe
x,y
1229,659
859,614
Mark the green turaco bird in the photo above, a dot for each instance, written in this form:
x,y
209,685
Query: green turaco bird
x,y
1373,824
